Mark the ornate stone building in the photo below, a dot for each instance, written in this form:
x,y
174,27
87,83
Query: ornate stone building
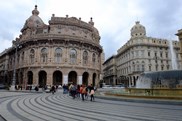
x,y
143,54
179,34
110,71
66,50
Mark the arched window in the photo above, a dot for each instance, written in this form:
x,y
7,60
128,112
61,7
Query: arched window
x,y
58,55
32,56
73,56
44,55
85,58
93,59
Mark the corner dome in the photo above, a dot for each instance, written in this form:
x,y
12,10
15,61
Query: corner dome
x,y
138,30
33,21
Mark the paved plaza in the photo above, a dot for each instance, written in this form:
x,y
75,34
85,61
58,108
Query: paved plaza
x,y
21,106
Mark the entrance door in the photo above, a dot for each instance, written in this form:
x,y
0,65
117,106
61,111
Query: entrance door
x,y
42,79
85,78
30,78
72,77
57,78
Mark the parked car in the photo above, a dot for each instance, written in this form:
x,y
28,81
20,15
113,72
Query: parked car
x,y
48,89
59,87
2,86
107,87
118,86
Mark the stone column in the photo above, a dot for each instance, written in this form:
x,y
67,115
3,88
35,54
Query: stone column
x,y
35,77
80,59
25,79
79,80
50,55
114,80
130,81
66,55
65,79
37,54
49,77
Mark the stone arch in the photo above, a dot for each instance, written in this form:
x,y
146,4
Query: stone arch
x,y
30,78
57,78
94,79
42,78
85,78
72,77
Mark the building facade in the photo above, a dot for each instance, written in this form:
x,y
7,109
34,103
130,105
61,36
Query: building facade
x,y
109,70
67,50
179,34
143,54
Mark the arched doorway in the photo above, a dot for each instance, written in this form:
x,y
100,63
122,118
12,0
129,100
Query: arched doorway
x,y
85,78
42,79
21,77
94,79
30,78
72,77
57,78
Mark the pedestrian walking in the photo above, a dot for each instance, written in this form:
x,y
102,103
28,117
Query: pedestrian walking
x,y
65,89
92,92
78,91
83,92
73,91
53,89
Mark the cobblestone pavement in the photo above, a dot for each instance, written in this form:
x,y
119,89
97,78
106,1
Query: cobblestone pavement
x,y
18,106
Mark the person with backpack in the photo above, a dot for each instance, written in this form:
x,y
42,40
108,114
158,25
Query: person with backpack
x,y
73,91
53,89
82,91
92,92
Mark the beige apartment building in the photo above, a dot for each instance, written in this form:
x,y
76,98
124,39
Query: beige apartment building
x,y
179,34
110,71
67,50
142,54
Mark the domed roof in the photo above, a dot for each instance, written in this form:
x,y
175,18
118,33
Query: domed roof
x,y
33,21
138,30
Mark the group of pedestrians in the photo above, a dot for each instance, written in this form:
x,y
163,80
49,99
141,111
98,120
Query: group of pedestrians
x,y
80,91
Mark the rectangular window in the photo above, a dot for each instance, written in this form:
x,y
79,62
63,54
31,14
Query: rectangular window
x,y
155,54
149,68
149,54
138,68
166,55
161,54
143,68
162,67
156,67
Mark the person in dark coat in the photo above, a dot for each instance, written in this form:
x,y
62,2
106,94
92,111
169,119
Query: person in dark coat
x,y
53,89
92,91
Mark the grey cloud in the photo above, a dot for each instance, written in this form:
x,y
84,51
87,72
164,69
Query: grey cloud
x,y
161,16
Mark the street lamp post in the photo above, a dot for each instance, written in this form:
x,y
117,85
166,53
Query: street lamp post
x,y
14,70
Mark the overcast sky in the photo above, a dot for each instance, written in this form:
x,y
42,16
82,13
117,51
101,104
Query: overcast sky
x,y
113,18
